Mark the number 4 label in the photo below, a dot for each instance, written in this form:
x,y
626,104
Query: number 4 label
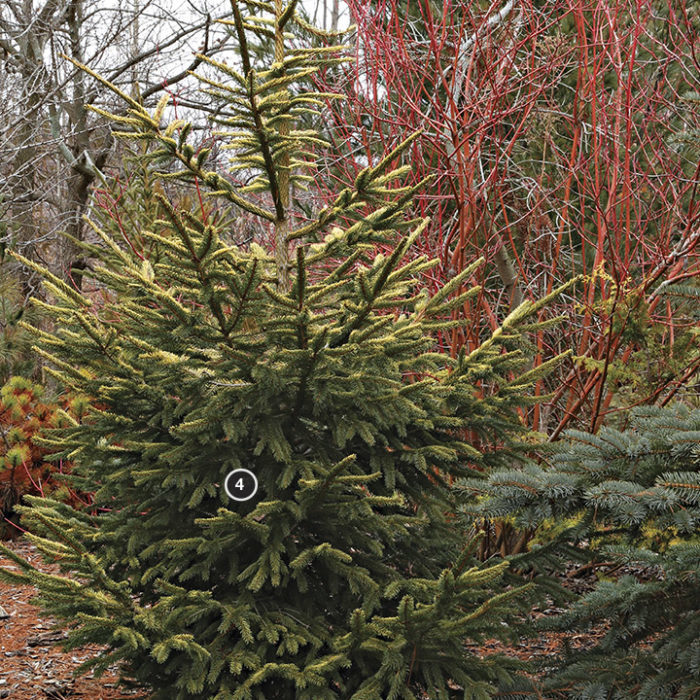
x,y
241,485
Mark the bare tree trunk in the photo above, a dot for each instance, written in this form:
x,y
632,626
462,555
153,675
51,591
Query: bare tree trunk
x,y
23,174
22,209
55,152
335,15
504,264
82,175
509,277
282,223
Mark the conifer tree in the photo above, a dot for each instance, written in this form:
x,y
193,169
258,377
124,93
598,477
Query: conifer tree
x,y
634,493
16,357
311,366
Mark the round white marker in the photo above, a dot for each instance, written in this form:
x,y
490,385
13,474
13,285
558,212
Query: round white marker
x,y
241,485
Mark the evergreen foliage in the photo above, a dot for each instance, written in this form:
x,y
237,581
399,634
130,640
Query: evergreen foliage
x,y
24,464
15,343
344,576
636,493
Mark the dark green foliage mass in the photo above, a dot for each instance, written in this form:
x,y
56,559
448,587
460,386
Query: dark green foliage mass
x,y
345,576
15,343
636,493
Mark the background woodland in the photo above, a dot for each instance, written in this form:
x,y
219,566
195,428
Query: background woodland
x,y
544,155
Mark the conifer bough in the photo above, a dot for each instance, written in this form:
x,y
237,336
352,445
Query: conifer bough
x,y
635,494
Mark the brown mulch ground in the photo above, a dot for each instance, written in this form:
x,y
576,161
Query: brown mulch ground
x,y
541,651
33,667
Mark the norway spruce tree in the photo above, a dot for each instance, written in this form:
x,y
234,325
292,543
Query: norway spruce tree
x,y
273,436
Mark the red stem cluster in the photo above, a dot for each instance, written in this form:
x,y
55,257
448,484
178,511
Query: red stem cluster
x,y
554,133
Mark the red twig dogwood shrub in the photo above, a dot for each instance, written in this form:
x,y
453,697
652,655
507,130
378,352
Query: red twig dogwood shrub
x,y
556,136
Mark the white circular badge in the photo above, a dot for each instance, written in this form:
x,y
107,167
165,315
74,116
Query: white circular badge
x,y
241,484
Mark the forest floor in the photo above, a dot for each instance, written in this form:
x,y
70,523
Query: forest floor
x,y
33,667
